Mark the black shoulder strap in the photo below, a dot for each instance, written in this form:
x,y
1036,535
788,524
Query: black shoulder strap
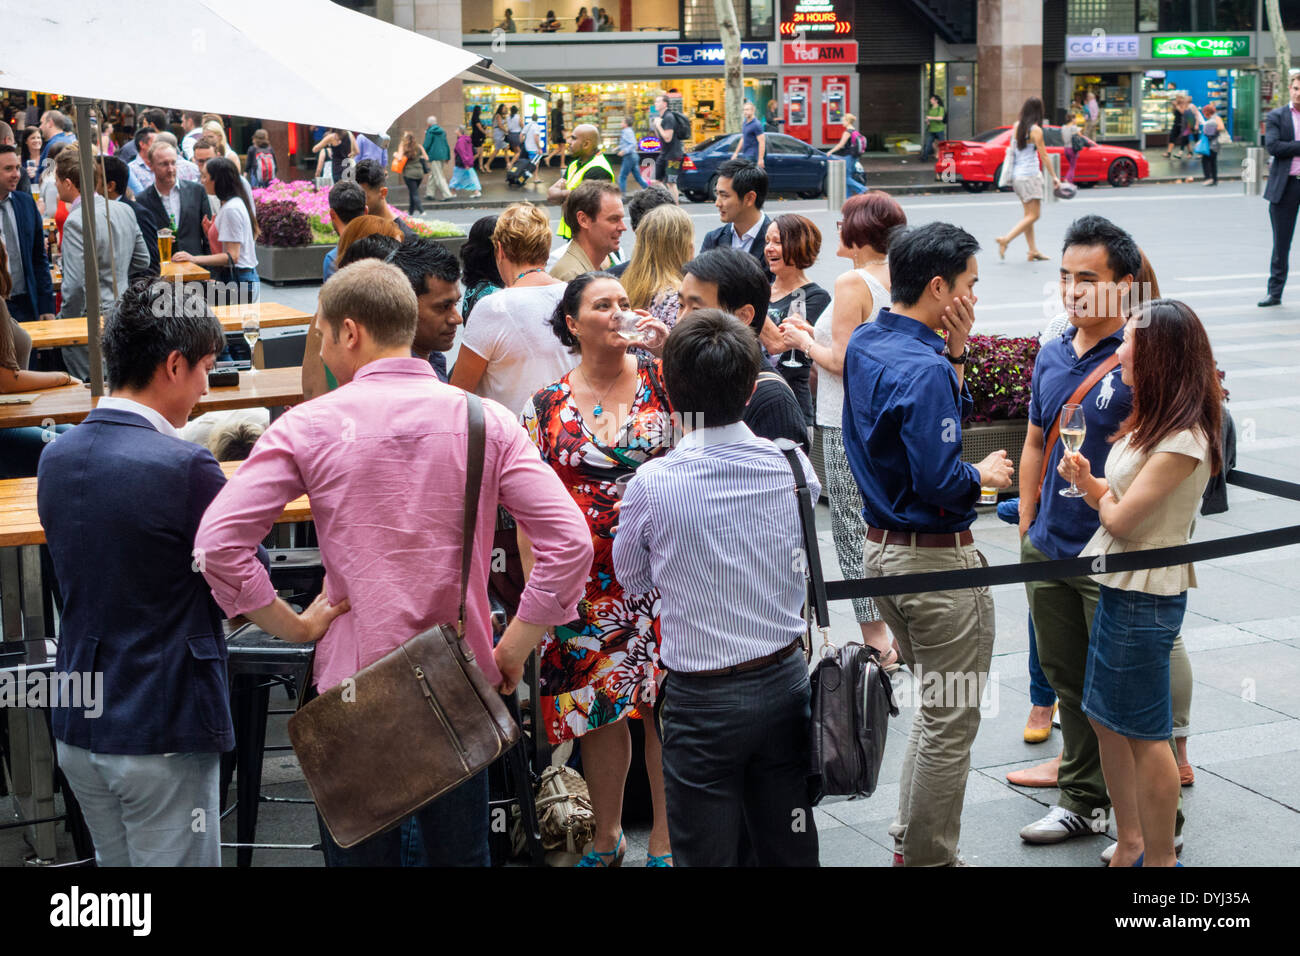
x,y
477,442
817,582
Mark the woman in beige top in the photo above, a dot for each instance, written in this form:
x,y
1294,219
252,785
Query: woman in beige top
x,y
1164,454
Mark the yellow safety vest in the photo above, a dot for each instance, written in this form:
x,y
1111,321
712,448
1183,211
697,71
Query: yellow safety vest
x,y
573,177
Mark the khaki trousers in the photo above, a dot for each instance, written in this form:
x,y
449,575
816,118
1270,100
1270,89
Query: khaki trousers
x,y
946,639
437,187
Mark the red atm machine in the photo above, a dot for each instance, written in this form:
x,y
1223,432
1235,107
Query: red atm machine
x,y
798,111
835,103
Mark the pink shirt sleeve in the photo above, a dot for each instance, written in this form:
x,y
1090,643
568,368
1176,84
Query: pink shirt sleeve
x,y
240,517
553,522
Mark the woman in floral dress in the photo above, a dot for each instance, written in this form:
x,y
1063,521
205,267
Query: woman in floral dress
x,y
593,426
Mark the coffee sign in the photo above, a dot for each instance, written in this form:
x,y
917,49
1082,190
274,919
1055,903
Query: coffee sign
x,y
1199,47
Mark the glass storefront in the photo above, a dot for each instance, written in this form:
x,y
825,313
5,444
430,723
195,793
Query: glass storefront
x,y
1114,91
703,101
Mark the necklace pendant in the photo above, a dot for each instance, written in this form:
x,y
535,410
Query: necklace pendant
x,y
598,410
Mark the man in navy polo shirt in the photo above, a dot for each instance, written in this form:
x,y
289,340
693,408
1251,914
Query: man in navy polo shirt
x,y
904,399
1098,269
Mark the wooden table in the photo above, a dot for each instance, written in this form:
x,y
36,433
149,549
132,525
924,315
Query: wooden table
x,y
268,388
184,270
57,333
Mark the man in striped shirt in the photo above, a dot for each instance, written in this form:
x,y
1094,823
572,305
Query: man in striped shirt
x,y
714,525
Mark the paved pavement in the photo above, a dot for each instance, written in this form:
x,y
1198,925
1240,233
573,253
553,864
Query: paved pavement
x,y
1210,248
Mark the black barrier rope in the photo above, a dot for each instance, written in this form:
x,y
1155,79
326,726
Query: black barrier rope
x,y
1080,567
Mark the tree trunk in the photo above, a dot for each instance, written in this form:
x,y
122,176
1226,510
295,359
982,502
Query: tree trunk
x,y
1283,51
734,75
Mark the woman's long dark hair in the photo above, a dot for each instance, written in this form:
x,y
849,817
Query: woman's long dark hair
x,y
1175,380
1031,115
225,185
476,116
478,261
24,153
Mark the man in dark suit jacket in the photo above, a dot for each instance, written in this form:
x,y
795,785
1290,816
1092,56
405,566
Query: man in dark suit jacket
x,y
115,181
24,237
1283,189
190,236
741,191
137,613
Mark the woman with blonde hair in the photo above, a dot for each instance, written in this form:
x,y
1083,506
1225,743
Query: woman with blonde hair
x,y
849,148
222,146
665,241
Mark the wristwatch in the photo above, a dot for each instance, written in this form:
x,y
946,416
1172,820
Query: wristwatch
x,y
955,359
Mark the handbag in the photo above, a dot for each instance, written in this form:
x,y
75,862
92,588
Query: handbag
x,y
1202,147
1008,159
852,697
565,817
412,726
399,163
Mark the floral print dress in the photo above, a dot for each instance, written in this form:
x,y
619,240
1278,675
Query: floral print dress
x,y
596,669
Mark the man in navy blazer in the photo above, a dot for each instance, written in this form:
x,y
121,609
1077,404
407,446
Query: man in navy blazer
x,y
24,238
740,193
1283,189
120,497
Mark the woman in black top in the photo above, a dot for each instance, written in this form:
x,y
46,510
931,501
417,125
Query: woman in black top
x,y
477,133
793,243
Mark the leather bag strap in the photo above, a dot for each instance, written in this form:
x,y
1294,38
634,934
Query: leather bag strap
x,y
1054,432
477,443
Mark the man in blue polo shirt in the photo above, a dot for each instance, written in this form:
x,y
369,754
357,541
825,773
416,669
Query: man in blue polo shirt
x,y
904,399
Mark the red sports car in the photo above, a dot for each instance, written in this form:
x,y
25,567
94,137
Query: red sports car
x,y
975,163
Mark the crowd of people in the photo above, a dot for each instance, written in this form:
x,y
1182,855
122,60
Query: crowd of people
x,y
633,483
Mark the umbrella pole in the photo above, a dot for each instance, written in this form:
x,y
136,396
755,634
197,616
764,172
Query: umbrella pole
x,y
93,318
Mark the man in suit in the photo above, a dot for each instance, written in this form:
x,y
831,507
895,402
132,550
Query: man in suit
x,y
1283,189
137,613
32,293
115,181
179,205
741,191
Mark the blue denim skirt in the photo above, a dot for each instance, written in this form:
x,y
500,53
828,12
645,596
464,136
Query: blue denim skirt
x,y
1126,684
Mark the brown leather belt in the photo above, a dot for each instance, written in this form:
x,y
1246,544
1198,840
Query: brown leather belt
x,y
757,663
923,539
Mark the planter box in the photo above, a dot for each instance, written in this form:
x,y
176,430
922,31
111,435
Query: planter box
x,y
452,244
980,441
280,264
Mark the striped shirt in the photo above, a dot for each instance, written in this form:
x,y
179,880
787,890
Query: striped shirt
x,y
714,525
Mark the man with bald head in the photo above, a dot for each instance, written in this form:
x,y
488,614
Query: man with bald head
x,y
177,204
589,165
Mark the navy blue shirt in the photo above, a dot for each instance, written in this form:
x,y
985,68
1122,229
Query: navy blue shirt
x,y
1063,526
749,134
903,409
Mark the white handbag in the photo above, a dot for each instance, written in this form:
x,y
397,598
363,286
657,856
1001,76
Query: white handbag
x,y
1008,160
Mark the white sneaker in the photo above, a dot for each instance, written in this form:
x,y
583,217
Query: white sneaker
x,y
1109,852
1058,826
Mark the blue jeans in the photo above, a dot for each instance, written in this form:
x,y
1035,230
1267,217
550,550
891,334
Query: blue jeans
x,y
851,186
453,830
20,449
1040,691
735,757
630,166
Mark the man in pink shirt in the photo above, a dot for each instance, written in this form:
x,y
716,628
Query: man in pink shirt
x,y
383,460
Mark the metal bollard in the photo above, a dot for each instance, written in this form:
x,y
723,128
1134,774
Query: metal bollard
x,y
836,184
1254,171
1048,188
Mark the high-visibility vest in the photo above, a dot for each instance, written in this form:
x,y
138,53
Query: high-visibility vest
x,y
573,177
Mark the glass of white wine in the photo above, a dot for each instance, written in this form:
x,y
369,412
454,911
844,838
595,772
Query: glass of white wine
x,y
627,330
796,312
252,332
1073,428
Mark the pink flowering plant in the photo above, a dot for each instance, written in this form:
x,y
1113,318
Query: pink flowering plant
x,y
313,203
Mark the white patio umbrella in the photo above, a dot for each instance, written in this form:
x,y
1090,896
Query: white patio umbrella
x,y
297,61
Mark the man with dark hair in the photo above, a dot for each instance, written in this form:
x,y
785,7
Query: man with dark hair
x,y
673,130
372,177
155,118
347,201
641,203
434,274
904,400
732,281
192,129
115,184
140,173
31,295
143,768
741,192
1100,264
594,213
177,204
396,430
1282,141
718,508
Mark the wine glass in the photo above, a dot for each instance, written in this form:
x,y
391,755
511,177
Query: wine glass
x,y
1073,428
627,330
796,311
252,332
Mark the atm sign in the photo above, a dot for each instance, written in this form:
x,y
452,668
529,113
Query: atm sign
x,y
814,53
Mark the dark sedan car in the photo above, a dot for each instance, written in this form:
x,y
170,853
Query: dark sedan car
x,y
792,167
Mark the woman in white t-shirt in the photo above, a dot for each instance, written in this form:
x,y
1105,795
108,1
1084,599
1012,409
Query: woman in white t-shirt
x,y
1156,473
510,351
232,233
